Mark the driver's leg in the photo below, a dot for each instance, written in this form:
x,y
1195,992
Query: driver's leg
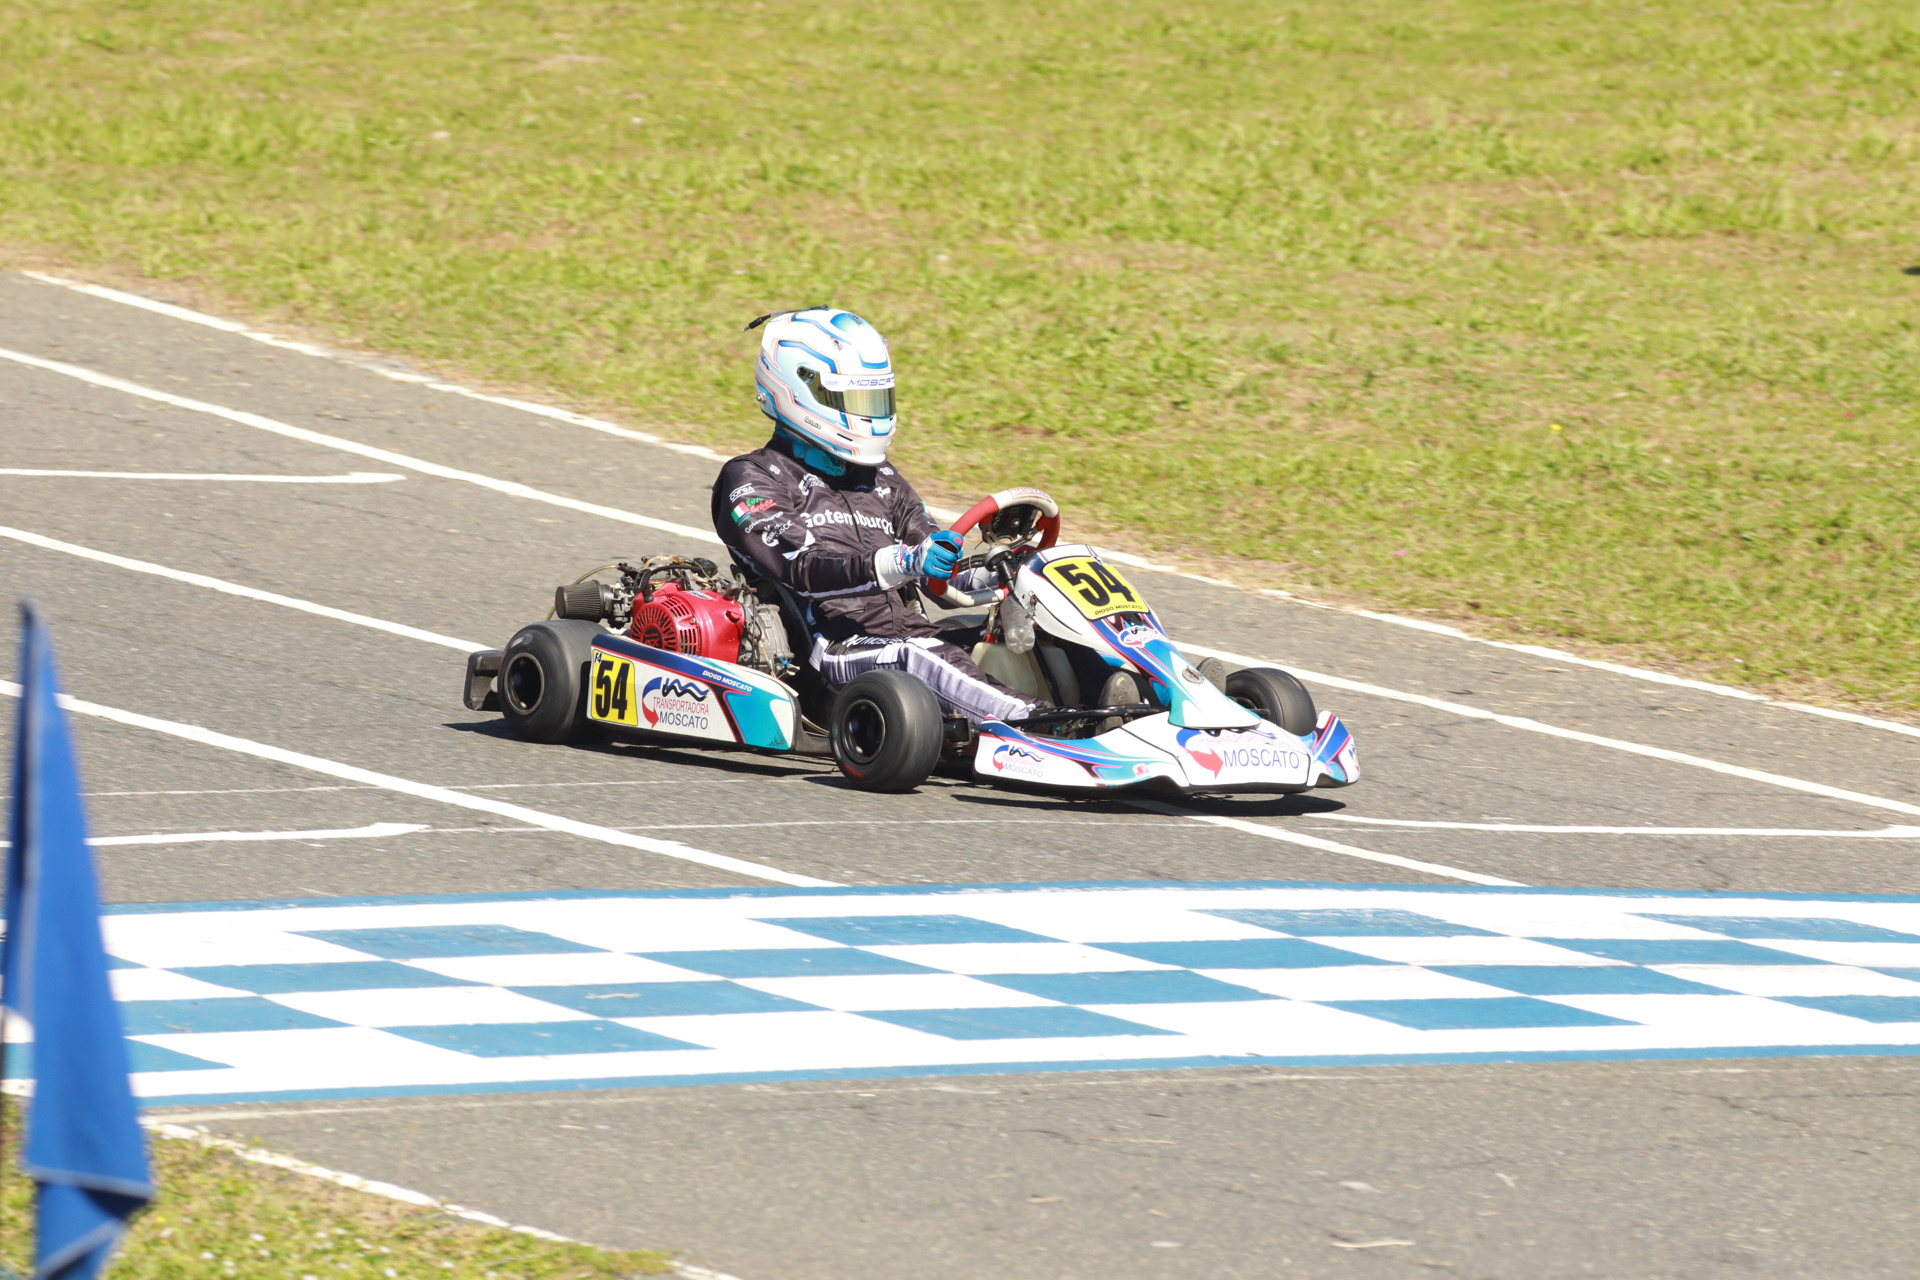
x,y
961,686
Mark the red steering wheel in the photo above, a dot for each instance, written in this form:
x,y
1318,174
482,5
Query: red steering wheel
x,y
993,504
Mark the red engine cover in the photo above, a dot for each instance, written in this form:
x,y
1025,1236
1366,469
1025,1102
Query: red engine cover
x,y
697,623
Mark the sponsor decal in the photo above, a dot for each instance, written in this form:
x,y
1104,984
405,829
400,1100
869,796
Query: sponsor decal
x,y
855,381
712,676
1190,741
886,471
676,703
743,510
1216,752
772,536
810,482
884,492
1017,760
815,519
741,492
1128,632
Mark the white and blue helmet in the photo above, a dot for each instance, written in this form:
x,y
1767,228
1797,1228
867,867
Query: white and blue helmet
x,y
824,376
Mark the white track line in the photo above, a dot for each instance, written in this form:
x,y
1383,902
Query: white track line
x,y
223,791
426,791
1637,673
385,370
387,1190
373,831
355,477
510,487
1572,735
235,589
1884,833
1323,846
1140,562
273,1159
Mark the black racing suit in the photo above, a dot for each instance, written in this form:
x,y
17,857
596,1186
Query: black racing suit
x,y
817,534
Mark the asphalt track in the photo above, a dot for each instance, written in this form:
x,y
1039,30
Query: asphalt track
x,y
1775,1166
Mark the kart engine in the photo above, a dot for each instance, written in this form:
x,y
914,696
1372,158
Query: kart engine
x,y
700,624
685,606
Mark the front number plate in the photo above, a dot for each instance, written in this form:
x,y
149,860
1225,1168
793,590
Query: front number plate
x,y
612,698
1095,589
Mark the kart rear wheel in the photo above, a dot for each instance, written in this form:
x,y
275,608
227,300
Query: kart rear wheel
x,y
1275,695
886,729
543,680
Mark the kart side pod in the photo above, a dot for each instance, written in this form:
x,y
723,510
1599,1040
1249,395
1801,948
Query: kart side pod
x,y
640,687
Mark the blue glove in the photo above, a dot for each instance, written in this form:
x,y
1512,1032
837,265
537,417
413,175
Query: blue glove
x,y
937,556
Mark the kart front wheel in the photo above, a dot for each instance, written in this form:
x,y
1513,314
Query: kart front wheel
x,y
543,680
886,729
1274,695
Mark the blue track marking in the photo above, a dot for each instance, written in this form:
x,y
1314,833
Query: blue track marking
x,y
447,940
351,975
532,1039
192,1017
382,997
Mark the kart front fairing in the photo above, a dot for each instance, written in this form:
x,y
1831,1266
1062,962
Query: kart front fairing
x,y
1203,741
1155,754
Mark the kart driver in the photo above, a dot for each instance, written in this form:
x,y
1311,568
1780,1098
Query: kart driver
x,y
819,510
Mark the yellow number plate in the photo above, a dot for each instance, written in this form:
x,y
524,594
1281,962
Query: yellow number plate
x,y
613,697
1094,589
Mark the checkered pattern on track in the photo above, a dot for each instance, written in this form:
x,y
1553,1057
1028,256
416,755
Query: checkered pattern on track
x,y
405,996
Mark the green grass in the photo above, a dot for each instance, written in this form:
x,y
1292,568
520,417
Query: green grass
x,y
218,1215
1588,318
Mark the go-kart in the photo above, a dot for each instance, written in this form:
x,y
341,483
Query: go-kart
x,y
675,652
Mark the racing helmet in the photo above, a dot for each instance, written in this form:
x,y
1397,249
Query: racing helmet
x,y
825,377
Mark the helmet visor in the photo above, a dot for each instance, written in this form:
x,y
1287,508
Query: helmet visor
x,y
861,395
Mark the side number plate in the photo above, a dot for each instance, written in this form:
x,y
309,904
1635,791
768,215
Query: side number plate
x,y
613,697
1094,589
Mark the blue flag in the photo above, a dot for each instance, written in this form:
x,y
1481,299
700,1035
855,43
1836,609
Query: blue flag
x,y
84,1145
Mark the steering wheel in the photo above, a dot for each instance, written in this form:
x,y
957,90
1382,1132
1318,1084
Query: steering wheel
x,y
1011,514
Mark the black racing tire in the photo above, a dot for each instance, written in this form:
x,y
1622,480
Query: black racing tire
x,y
1276,695
886,729
543,680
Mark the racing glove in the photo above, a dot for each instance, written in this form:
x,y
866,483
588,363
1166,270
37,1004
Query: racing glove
x,y
900,564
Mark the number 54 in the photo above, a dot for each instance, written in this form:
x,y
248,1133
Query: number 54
x,y
1098,584
610,686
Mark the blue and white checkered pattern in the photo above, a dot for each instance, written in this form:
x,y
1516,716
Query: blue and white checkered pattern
x,y
242,1000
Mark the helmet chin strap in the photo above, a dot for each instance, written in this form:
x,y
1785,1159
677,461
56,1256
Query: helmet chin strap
x,y
810,454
